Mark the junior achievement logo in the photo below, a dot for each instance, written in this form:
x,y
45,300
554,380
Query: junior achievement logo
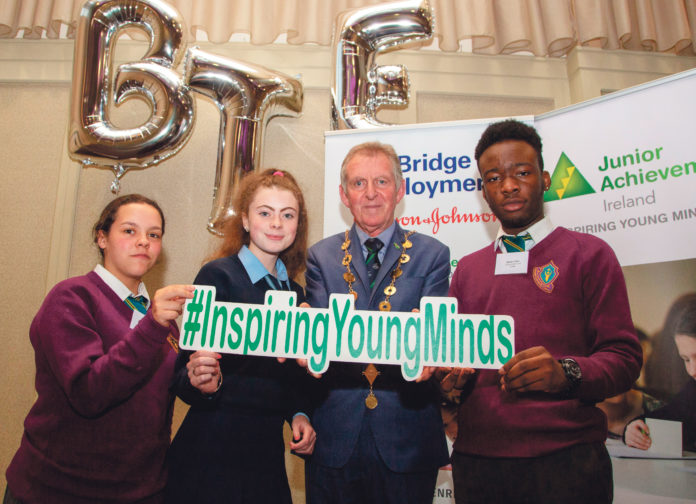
x,y
567,181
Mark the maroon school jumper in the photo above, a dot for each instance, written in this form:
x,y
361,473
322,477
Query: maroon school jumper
x,y
100,427
582,313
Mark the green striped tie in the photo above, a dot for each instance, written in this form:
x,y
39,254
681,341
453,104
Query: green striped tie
x,y
515,243
373,246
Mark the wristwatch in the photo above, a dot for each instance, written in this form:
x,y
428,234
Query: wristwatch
x,y
573,375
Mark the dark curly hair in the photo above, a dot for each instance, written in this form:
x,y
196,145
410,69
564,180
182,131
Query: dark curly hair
x,y
510,129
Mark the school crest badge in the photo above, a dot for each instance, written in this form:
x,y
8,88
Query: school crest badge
x,y
545,276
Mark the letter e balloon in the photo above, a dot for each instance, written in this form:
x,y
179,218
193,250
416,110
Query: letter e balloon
x,y
359,87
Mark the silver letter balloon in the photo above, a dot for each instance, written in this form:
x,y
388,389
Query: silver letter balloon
x,y
359,87
93,138
248,96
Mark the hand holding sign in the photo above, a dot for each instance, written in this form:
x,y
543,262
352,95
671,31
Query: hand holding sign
x,y
453,378
533,369
204,371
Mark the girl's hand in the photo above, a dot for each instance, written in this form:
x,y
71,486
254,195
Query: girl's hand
x,y
638,435
168,302
204,371
303,436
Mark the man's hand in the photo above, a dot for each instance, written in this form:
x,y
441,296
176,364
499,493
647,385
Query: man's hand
x,y
426,373
533,370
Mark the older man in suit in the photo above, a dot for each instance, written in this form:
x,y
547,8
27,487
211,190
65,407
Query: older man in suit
x,y
379,438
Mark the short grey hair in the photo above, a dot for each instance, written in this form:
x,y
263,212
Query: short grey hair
x,y
372,149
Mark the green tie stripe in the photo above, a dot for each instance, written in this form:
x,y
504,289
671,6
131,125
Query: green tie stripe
x,y
373,246
137,303
515,243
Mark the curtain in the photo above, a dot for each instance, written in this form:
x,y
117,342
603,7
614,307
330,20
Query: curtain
x,y
541,27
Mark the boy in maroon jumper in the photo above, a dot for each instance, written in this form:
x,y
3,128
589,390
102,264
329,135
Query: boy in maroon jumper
x,y
530,432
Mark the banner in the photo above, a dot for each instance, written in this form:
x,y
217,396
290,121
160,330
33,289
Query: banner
x,y
623,168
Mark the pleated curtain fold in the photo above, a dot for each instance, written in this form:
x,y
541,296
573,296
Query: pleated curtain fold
x,y
542,27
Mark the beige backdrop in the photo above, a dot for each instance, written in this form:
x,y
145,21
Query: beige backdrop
x,y
49,202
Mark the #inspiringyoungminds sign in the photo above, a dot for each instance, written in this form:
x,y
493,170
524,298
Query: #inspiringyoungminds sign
x,y
435,336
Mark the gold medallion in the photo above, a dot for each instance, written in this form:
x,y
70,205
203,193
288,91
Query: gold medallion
x,y
346,259
407,244
348,277
385,306
396,273
390,290
345,244
371,375
404,258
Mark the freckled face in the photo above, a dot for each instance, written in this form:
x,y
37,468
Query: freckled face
x,y
513,184
686,345
133,244
272,221
371,194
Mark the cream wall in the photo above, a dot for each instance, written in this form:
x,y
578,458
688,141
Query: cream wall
x,y
49,202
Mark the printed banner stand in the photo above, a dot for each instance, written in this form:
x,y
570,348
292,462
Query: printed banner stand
x,y
622,166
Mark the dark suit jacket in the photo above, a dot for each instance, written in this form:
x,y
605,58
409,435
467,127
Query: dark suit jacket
x,y
406,424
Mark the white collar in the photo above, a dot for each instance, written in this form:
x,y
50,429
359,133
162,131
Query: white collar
x,y
117,285
538,231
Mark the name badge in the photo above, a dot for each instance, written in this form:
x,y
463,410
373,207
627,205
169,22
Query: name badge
x,y
514,263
